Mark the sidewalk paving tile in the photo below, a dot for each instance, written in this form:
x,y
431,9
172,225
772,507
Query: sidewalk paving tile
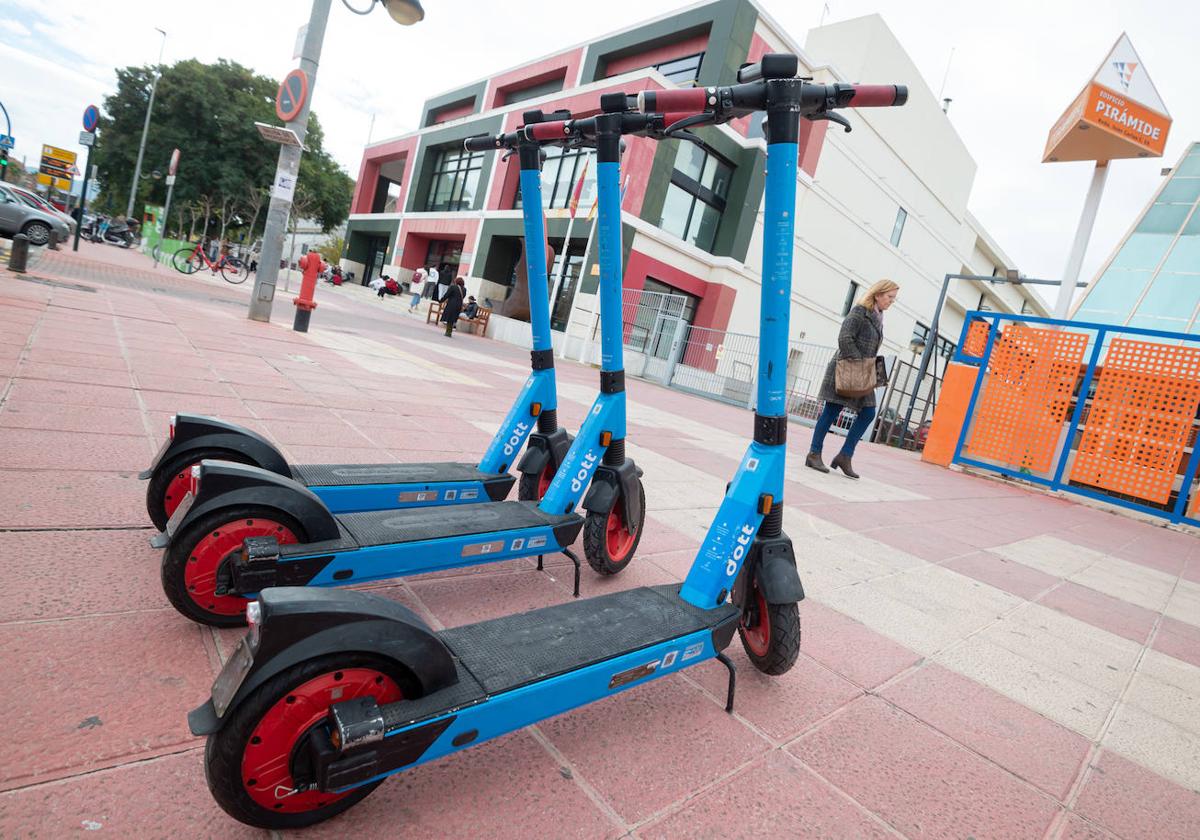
x,y
1003,573
70,499
1104,611
850,648
922,783
42,449
1131,801
1178,639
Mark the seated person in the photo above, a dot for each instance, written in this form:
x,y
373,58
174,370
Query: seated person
x,y
471,309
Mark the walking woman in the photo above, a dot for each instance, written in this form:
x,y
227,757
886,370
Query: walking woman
x,y
452,304
859,338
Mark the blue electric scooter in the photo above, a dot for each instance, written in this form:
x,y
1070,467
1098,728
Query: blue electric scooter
x,y
330,692
208,578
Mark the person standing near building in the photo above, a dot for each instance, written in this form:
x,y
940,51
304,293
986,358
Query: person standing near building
x,y
452,304
414,286
443,281
859,338
431,278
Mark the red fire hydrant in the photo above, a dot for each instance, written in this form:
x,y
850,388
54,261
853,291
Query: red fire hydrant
x,y
311,265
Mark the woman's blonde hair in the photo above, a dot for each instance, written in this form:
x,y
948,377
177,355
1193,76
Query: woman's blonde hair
x,y
879,287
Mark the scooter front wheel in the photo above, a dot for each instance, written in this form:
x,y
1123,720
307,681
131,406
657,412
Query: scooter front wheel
x,y
533,486
198,556
609,541
169,483
255,764
770,633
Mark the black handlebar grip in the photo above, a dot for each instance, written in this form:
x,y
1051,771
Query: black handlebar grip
x,y
481,143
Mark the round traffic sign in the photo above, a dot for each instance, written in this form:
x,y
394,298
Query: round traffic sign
x,y
91,116
292,93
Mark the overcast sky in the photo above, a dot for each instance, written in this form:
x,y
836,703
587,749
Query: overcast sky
x,y
1016,67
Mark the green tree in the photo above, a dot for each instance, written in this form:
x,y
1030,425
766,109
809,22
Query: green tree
x,y
208,112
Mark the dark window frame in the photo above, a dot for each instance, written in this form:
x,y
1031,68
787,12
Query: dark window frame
x,y
560,193
851,297
464,163
683,82
701,194
898,226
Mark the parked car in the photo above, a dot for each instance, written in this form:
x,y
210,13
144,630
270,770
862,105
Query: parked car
x,y
35,200
19,216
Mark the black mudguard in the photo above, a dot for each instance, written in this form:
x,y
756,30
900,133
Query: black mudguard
x,y
544,450
198,433
772,561
224,484
613,482
299,623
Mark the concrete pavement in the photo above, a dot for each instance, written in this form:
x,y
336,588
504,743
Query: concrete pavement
x,y
978,659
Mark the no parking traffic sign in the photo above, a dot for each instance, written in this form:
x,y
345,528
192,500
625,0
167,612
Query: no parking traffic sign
x,y
91,116
292,93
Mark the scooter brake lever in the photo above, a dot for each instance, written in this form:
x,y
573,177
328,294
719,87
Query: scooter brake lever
x,y
832,117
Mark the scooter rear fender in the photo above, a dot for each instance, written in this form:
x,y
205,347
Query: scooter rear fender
x,y
198,433
616,483
543,450
299,623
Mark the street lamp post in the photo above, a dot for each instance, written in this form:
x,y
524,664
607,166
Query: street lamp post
x,y
406,12
137,168
1012,276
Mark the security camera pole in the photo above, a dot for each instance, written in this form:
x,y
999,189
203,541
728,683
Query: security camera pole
x,y
288,169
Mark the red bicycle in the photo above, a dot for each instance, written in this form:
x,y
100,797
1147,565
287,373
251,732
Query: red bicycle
x,y
189,261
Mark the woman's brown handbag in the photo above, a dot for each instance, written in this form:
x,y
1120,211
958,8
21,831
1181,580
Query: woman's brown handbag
x,y
858,377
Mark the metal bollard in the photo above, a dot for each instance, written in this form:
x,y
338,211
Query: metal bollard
x,y
53,245
20,253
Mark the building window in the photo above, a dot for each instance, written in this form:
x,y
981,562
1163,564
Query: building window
x,y
898,228
851,297
945,347
984,304
682,71
455,180
560,174
655,320
696,196
1026,307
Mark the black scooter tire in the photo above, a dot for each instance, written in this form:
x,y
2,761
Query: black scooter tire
x,y
596,546
182,547
529,486
224,750
777,653
160,481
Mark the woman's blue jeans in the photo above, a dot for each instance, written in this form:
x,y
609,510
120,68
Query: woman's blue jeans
x,y
857,429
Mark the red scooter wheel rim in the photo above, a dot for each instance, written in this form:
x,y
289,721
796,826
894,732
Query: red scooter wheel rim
x,y
200,574
758,635
618,538
544,481
177,489
266,760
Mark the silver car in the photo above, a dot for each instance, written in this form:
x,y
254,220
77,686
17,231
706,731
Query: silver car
x,y
21,216
33,199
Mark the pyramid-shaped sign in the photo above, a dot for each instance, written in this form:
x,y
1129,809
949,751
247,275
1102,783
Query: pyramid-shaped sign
x,y
1118,115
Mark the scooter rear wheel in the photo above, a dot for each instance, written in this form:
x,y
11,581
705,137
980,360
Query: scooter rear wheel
x,y
250,764
170,482
770,633
609,542
532,488
194,558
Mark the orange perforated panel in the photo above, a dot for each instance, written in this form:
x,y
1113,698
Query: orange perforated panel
x,y
1031,377
1139,419
977,336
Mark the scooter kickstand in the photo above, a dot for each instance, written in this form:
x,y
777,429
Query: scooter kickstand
x,y
539,562
728,663
574,560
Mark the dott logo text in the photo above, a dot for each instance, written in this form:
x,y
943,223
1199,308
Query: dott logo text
x,y
514,441
739,551
589,461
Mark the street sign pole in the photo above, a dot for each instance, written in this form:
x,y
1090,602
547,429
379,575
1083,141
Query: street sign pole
x,y
286,173
172,168
87,174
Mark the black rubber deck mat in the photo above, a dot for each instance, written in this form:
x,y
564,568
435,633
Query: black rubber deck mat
x,y
400,526
326,475
515,650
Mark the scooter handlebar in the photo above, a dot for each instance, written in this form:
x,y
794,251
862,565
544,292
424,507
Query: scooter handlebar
x,y
687,100
482,142
874,96
770,66
548,131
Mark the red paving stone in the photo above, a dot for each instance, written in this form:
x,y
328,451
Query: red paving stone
x,y
782,706
163,797
849,648
37,449
509,788
1131,801
32,390
1037,750
1077,828
1003,573
1104,611
1175,638
72,418
773,797
688,737
71,499
76,717
921,783
56,574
